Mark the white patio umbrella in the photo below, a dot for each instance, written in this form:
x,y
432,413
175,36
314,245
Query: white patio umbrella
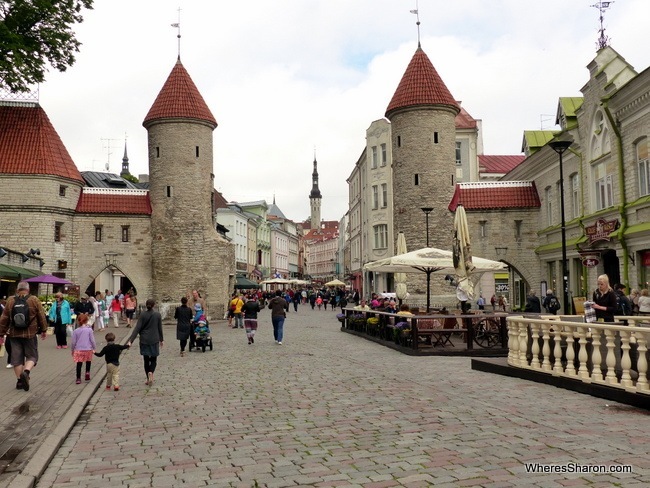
x,y
400,278
430,260
463,264
335,283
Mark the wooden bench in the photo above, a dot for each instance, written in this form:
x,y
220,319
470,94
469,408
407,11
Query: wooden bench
x,y
434,332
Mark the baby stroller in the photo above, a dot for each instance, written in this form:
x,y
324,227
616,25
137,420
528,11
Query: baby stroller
x,y
200,336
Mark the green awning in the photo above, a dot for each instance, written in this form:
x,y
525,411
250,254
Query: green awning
x,y
16,272
245,283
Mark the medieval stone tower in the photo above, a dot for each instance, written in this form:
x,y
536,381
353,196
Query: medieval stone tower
x,y
422,113
187,252
315,198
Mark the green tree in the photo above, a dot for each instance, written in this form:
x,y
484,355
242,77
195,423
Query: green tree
x,y
35,34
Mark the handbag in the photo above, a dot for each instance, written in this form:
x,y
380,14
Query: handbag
x,y
590,313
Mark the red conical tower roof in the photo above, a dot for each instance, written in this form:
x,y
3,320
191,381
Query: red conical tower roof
x,y
29,144
179,99
420,85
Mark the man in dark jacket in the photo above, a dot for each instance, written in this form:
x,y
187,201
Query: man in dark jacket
x,y
84,306
278,306
533,304
623,304
24,344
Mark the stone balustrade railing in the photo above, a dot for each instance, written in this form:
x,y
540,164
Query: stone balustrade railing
x,y
610,354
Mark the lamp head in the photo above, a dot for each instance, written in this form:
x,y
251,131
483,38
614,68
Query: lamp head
x,y
560,146
3,253
24,258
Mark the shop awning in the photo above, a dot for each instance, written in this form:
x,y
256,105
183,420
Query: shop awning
x,y
16,272
245,283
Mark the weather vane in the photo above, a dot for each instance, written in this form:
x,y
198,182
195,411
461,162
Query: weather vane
x,y
417,14
177,25
603,40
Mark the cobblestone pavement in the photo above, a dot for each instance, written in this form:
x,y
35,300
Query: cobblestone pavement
x,y
330,409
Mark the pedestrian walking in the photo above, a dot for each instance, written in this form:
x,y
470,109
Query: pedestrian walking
x,y
183,316
296,300
604,300
480,303
116,310
112,352
22,320
130,304
278,307
149,328
235,305
60,316
83,346
493,302
250,310
533,305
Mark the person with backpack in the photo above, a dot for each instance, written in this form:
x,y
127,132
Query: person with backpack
x,y
623,304
551,304
22,320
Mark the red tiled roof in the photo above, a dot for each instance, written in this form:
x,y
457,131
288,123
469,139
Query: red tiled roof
x,y
179,98
495,195
420,85
464,120
114,203
29,144
499,164
219,200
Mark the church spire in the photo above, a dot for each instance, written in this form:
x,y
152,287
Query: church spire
x,y
315,198
125,163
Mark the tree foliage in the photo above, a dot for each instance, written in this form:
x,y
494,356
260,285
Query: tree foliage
x,y
35,34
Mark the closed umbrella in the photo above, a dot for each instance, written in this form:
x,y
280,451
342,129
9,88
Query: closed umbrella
x,y
400,278
463,264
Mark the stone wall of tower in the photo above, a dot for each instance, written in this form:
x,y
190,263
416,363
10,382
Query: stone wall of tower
x,y
423,142
187,251
315,212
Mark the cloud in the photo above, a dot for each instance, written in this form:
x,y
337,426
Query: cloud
x,y
289,77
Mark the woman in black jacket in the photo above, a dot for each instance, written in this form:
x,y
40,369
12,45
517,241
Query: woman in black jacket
x,y
604,300
150,330
183,316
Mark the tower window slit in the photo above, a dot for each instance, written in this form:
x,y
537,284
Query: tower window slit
x,y
417,179
157,151
399,141
435,138
197,151
169,191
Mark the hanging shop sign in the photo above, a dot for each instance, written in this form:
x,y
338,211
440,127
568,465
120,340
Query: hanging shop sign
x,y
590,259
646,258
601,230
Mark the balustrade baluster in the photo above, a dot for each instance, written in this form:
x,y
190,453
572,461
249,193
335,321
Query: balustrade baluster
x,y
513,343
642,362
583,372
523,344
570,351
534,348
626,361
546,348
610,377
596,357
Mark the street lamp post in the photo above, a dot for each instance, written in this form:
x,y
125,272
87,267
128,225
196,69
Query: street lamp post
x,y
560,147
427,211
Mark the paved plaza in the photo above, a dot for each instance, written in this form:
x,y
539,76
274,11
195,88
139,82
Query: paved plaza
x,y
327,408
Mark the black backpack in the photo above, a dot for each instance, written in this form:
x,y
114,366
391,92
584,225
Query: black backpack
x,y
553,304
20,312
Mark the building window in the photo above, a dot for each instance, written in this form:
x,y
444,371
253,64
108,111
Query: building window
x,y
399,141
196,149
604,187
157,151
643,163
384,195
126,233
459,161
384,154
483,227
57,231
169,191
62,190
549,206
575,195
416,179
98,233
373,161
381,236
518,224
375,197
435,138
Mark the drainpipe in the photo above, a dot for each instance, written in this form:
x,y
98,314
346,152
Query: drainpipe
x,y
585,271
621,185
